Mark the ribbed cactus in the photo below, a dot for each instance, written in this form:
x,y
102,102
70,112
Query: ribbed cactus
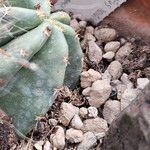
x,y
39,53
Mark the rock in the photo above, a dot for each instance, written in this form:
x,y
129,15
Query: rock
x,y
125,80
58,138
76,122
86,92
67,112
47,146
112,109
83,112
74,136
89,140
90,29
94,52
109,55
100,135
53,122
142,83
122,41
115,69
124,51
106,76
75,25
38,145
82,24
105,34
100,92
127,97
132,128
96,125
112,46
89,37
120,90
88,77
93,112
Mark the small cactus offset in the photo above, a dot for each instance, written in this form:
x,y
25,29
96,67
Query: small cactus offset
x,y
39,53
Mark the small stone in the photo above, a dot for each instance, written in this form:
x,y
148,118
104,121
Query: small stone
x,y
76,122
38,145
89,37
124,51
115,82
88,77
75,25
112,46
53,122
90,29
86,92
100,135
47,146
112,109
125,80
96,125
94,52
89,140
115,69
105,34
106,76
122,41
93,112
67,112
74,136
127,97
120,90
83,112
58,138
142,83
100,92
109,55
82,24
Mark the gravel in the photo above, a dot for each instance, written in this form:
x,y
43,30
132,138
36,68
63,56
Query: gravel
x,y
99,93
115,69
112,46
112,109
74,136
92,112
76,122
105,34
89,140
58,138
94,52
124,51
88,77
96,125
67,112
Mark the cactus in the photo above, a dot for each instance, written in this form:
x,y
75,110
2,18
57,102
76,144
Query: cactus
x,y
39,54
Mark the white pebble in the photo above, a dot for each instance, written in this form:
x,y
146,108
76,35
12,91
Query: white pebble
x,y
83,112
109,55
74,136
112,46
76,122
142,83
93,112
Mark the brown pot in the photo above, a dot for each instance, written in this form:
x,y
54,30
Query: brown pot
x,y
132,18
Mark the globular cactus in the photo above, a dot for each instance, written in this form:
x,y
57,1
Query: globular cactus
x,y
39,53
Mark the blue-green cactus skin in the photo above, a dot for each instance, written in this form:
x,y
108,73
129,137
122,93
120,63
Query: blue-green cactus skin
x,y
37,63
